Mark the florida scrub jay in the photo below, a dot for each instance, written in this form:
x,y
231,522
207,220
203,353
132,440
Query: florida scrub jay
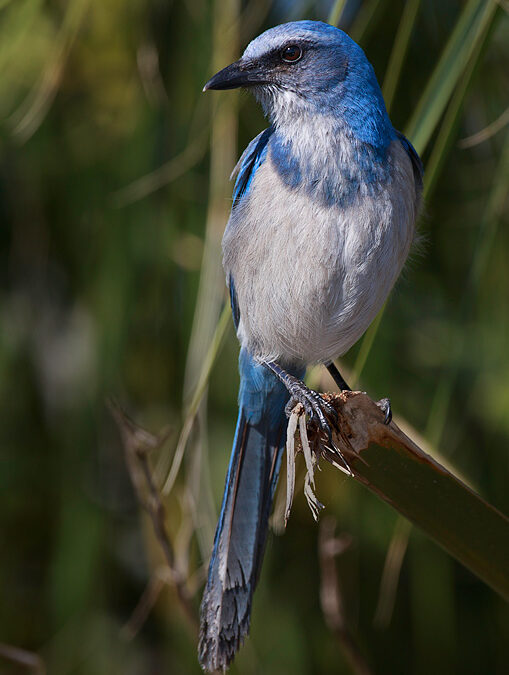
x,y
323,217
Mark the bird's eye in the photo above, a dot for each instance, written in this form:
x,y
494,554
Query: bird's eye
x,y
291,54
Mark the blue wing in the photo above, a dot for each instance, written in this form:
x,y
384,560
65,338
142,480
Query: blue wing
x,y
414,158
252,157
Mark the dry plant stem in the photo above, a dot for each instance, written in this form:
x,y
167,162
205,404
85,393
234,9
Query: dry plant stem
x,y
145,605
22,657
137,443
311,460
290,462
31,112
298,417
163,175
391,572
486,133
330,546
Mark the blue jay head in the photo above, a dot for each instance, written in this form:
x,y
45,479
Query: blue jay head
x,y
306,67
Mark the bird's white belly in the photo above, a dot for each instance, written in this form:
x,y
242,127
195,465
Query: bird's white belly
x,y
310,279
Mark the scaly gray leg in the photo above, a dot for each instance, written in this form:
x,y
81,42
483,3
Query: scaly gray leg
x,y
314,405
337,377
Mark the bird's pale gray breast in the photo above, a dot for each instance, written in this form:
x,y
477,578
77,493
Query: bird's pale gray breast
x,y
310,277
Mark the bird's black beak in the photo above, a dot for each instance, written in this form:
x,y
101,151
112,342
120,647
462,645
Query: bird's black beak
x,y
238,74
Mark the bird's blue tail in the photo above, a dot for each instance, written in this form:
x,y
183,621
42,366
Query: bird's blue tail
x,y
242,529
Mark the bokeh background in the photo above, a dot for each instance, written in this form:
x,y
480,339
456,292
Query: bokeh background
x,y
113,196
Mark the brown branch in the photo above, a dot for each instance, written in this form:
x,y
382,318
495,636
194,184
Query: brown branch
x,y
390,575
163,175
330,546
137,444
145,605
23,658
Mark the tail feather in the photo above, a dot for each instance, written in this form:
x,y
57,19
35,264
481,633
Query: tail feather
x,y
243,524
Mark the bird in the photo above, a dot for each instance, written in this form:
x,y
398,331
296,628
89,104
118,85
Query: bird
x,y
324,211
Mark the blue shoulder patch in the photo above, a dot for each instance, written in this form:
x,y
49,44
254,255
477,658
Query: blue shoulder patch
x,y
415,159
252,157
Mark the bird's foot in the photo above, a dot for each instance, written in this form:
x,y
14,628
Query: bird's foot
x,y
317,408
314,405
385,406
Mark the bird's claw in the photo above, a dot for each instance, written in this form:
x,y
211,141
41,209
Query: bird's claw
x,y
385,406
314,405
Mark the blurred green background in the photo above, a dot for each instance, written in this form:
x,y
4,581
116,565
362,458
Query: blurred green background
x,y
113,198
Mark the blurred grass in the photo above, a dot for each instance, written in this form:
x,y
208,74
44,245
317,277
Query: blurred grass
x,y
467,38
471,32
98,298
